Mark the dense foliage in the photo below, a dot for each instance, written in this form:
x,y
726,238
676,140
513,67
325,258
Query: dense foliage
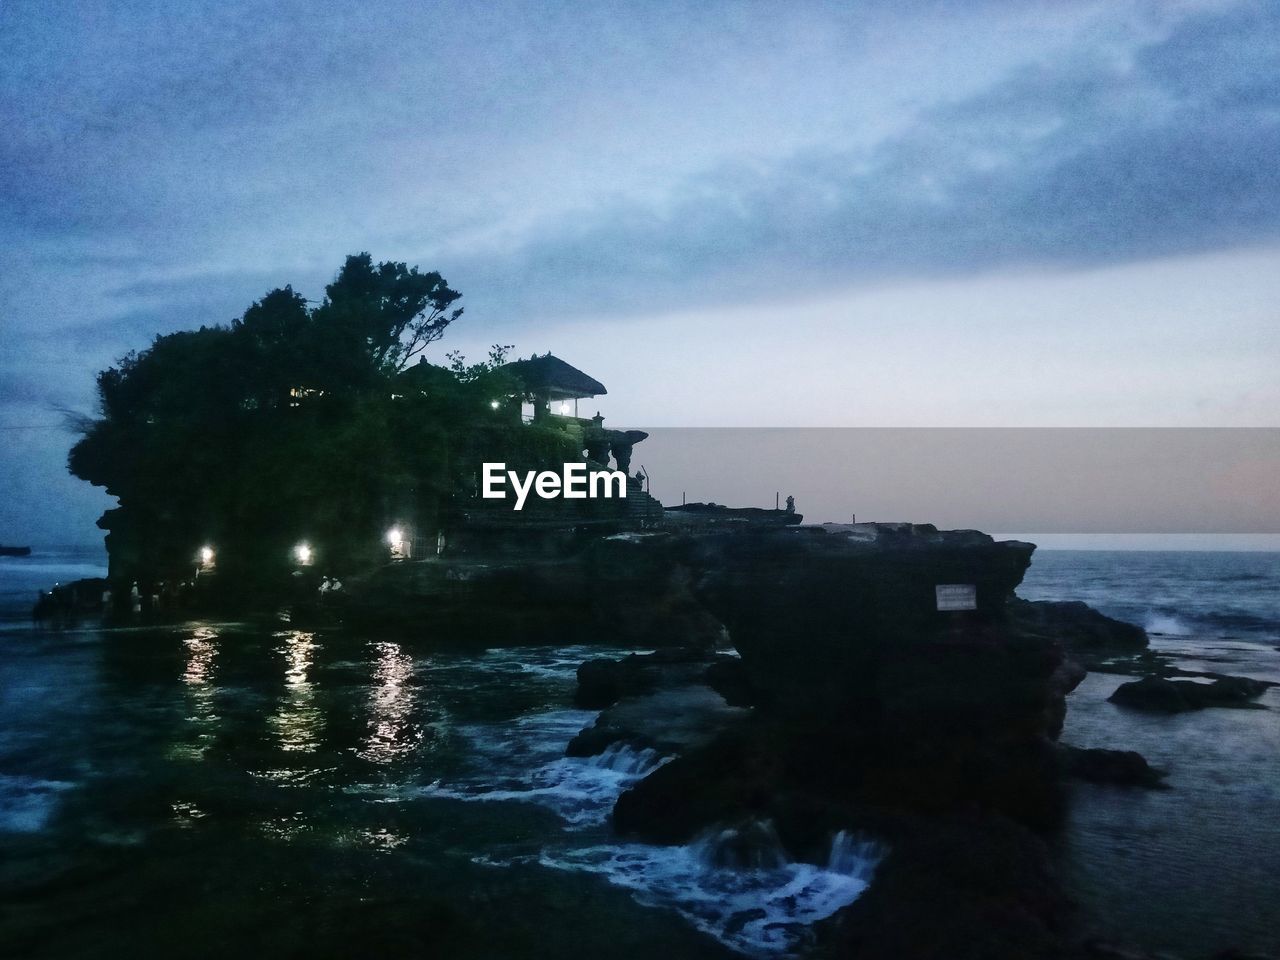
x,y
299,423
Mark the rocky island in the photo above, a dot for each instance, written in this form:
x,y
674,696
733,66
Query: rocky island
x,y
872,700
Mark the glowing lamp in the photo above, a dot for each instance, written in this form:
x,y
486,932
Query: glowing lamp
x,y
565,409
206,555
394,536
302,553
494,404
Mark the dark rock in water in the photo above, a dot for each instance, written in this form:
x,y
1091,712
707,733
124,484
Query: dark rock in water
x,y
626,589
68,601
674,719
818,617
863,691
1160,695
733,778
956,888
869,691
1123,768
1076,624
876,712
603,682
1062,681
727,677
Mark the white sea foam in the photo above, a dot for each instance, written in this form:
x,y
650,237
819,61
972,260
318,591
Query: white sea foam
x,y
581,790
1166,625
736,883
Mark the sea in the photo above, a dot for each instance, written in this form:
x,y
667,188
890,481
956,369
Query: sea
x,y
206,788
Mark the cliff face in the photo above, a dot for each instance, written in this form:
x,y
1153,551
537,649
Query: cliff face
x,y
864,691
870,709
838,628
876,712
626,589
843,624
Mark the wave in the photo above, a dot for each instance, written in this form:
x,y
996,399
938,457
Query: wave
x,y
1213,623
27,803
581,790
1166,625
737,883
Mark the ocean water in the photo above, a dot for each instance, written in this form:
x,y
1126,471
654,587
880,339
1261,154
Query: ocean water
x,y
175,790
1194,869
209,788
22,577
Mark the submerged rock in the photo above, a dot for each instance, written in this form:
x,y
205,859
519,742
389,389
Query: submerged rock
x,y
1161,695
1122,768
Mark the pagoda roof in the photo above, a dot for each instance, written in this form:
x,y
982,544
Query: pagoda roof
x,y
551,375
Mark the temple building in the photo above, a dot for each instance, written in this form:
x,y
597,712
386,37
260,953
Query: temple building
x,y
554,387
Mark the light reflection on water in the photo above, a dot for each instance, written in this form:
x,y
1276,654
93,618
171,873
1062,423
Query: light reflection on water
x,y
298,721
199,731
201,650
392,734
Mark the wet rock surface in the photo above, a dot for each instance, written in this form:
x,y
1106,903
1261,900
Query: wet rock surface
x,y
675,719
1123,768
872,711
957,888
854,704
1162,695
1077,625
603,682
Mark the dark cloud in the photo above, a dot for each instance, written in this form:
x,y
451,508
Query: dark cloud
x,y
1086,161
163,165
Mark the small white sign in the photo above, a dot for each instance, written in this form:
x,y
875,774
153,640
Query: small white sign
x,y
957,596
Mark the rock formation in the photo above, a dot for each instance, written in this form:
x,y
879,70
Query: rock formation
x,y
1161,695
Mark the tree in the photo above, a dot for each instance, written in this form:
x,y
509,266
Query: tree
x,y
383,315
287,422
273,338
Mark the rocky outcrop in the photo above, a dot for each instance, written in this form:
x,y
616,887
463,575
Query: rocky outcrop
x,y
962,886
874,711
603,682
629,589
727,677
716,515
1076,624
833,623
673,720
1121,768
864,691
1161,695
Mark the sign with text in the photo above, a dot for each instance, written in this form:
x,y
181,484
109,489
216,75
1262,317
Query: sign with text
x,y
957,596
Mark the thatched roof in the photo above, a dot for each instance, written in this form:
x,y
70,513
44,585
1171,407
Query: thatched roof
x,y
552,376
423,375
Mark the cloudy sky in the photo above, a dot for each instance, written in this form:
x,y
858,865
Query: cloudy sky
x,y
734,214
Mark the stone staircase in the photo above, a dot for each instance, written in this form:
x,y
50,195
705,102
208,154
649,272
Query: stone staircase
x,y
642,508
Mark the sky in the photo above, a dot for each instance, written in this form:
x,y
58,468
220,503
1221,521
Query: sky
x,y
906,214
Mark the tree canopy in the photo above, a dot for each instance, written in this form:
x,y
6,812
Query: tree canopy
x,y
297,421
